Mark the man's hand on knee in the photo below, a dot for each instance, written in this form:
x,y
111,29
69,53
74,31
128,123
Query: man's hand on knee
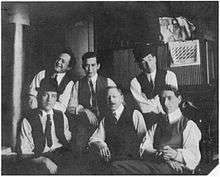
x,y
51,166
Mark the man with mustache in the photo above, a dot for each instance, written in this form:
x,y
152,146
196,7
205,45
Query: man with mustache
x,y
120,132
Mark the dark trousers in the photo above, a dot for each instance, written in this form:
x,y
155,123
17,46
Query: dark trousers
x,y
65,160
81,130
138,167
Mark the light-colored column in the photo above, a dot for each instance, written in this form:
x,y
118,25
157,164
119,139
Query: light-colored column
x,y
19,17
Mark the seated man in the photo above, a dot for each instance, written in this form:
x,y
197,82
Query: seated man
x,y
120,132
171,146
60,72
145,87
45,134
87,102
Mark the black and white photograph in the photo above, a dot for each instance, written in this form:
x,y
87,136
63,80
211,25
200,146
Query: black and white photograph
x,y
109,87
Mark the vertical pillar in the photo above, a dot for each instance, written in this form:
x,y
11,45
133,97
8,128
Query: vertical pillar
x,y
19,17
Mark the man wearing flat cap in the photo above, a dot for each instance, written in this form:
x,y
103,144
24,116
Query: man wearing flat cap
x,y
44,137
146,86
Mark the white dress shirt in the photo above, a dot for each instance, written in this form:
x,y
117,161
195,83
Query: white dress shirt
x,y
27,143
138,121
74,102
190,153
147,105
63,101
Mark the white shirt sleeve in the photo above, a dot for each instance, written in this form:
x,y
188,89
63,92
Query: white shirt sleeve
x,y
67,132
36,83
110,82
147,144
74,102
190,152
26,140
146,105
139,123
171,79
64,98
99,134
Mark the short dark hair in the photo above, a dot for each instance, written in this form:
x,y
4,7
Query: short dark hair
x,y
71,54
88,55
171,88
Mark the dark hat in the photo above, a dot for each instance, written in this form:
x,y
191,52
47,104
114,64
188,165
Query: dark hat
x,y
48,84
142,50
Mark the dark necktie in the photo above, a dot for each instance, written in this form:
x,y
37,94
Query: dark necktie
x,y
93,95
114,118
54,77
151,83
48,131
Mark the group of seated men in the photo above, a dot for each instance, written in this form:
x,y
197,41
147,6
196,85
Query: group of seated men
x,y
90,117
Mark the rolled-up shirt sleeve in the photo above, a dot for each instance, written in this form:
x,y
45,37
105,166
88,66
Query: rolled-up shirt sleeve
x,y
146,105
26,140
190,153
64,98
99,134
36,83
67,132
139,123
171,79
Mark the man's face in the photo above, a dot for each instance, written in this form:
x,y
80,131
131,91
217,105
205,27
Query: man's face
x,y
148,64
61,64
169,101
114,99
48,100
91,67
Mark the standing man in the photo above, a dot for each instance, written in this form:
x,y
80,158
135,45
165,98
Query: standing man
x,y
171,146
87,103
146,86
60,72
45,135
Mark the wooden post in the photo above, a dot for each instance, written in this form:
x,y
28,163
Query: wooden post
x,y
19,16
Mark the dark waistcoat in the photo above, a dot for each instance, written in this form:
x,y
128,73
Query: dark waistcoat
x,y
37,129
84,93
65,80
121,136
158,83
171,135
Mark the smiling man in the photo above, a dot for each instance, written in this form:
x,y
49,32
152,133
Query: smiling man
x,y
87,103
60,73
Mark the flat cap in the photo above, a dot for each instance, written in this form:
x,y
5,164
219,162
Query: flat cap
x,y
142,50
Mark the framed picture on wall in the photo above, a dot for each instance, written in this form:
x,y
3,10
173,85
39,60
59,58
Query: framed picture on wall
x,y
185,53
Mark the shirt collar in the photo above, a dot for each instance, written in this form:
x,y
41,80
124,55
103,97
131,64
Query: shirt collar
x,y
44,113
61,74
119,111
174,116
94,78
152,75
